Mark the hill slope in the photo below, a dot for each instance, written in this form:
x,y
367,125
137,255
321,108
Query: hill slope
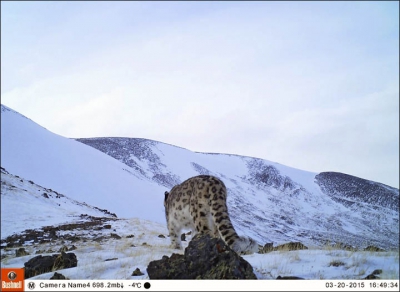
x,y
270,201
267,201
75,170
24,204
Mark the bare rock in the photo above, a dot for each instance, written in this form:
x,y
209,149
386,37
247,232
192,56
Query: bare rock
x,y
21,252
204,258
373,248
289,278
268,247
373,275
291,246
58,276
137,272
116,236
44,264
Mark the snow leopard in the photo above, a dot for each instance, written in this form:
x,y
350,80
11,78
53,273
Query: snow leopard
x,y
199,204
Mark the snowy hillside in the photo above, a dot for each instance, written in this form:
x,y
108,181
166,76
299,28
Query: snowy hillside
x,y
25,204
272,202
76,170
43,222
267,201
59,193
130,244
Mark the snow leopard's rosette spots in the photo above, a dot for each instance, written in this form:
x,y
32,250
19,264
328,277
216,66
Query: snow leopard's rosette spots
x,y
199,204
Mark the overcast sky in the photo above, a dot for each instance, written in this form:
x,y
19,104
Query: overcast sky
x,y
311,85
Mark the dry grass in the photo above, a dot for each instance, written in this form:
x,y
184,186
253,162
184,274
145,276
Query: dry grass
x,y
336,263
356,260
319,275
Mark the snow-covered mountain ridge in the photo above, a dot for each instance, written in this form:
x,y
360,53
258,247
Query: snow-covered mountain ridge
x,y
267,201
342,206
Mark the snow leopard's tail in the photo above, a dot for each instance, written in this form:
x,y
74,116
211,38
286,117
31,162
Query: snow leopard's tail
x,y
223,224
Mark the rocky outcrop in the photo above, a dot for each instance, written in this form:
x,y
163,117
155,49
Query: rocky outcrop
x,y
124,149
137,272
21,252
266,175
373,275
289,278
44,264
204,258
49,233
373,248
58,276
350,190
268,247
290,246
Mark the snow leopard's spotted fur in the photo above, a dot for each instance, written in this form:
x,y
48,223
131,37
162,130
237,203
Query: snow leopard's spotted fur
x,y
199,204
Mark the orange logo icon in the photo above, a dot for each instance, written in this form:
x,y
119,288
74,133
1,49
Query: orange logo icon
x,y
12,279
